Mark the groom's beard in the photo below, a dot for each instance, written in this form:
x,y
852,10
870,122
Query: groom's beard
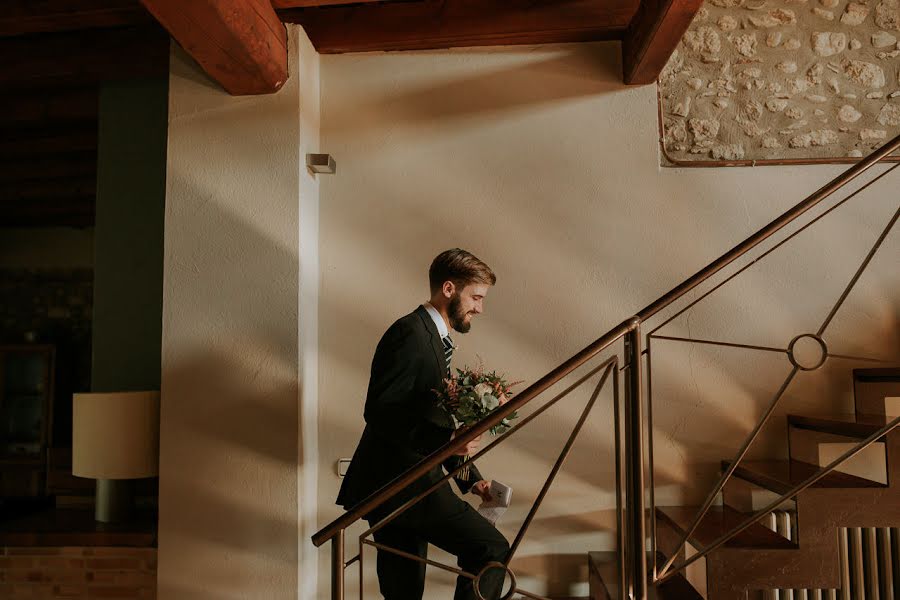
x,y
458,315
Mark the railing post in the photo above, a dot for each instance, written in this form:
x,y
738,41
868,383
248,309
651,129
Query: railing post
x,y
337,566
636,555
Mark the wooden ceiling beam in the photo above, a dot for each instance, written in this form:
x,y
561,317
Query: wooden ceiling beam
x,y
455,23
279,4
18,17
24,17
16,192
652,37
48,141
45,106
74,211
83,57
241,44
44,168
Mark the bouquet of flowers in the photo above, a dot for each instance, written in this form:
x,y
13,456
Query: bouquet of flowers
x,y
472,395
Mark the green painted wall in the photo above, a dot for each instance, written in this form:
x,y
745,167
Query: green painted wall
x,y
128,244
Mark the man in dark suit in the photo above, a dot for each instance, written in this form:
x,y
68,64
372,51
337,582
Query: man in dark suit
x,y
404,424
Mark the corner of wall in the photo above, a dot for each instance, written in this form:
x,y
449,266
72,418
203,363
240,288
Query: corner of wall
x,y
307,71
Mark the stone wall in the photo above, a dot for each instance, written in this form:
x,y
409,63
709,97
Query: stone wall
x,y
783,79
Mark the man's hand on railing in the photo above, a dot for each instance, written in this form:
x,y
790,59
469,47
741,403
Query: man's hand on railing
x,y
483,489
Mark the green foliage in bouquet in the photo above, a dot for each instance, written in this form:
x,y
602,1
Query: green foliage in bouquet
x,y
473,394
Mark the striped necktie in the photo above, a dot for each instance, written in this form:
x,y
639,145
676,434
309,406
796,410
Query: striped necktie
x,y
448,349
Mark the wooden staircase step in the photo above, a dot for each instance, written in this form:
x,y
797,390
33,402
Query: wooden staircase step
x,y
602,572
603,564
718,521
675,588
849,425
780,476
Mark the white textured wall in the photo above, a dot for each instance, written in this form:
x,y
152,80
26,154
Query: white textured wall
x,y
229,444
543,164
308,319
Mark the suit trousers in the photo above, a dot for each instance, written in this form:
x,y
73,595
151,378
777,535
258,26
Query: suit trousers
x,y
448,522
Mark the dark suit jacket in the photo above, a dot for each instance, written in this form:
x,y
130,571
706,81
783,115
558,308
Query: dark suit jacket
x,y
403,420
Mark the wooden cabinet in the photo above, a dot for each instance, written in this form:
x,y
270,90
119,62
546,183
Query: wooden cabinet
x,y
26,400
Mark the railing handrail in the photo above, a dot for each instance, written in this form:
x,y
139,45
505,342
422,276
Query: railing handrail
x,y
437,457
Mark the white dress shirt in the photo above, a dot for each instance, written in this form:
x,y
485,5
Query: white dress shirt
x,y
438,319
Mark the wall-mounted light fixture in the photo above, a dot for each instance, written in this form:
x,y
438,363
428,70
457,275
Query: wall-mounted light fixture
x,y
320,163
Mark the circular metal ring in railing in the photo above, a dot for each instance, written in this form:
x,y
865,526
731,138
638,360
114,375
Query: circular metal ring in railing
x,y
496,565
823,349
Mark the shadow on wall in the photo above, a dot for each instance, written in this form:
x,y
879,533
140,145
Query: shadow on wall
x,y
563,569
696,384
689,451
572,72
228,504
566,259
567,231
229,417
579,71
743,382
683,420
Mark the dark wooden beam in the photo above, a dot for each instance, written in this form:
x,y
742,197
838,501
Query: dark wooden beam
x,y
18,109
17,192
241,44
44,168
74,211
18,17
653,35
278,4
83,57
38,141
62,206
456,23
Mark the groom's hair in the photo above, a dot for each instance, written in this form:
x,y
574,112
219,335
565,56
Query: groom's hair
x,y
460,267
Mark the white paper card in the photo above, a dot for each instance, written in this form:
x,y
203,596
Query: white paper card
x,y
493,509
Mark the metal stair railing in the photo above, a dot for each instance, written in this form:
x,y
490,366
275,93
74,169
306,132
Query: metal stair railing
x,y
631,480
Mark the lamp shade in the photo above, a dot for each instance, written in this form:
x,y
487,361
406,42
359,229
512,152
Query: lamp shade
x,y
115,435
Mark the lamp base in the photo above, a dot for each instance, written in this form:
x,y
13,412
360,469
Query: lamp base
x,y
114,500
